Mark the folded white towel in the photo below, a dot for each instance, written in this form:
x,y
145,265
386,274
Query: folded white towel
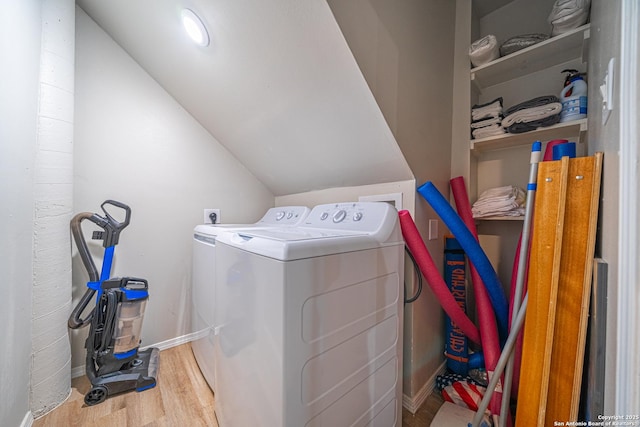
x,y
487,122
491,110
487,131
503,201
484,50
532,114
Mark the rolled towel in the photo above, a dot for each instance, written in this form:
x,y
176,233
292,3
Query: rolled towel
x,y
532,114
529,126
568,14
517,43
532,110
534,102
484,50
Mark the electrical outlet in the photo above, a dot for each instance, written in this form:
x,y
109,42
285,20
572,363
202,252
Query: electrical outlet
x,y
433,229
212,216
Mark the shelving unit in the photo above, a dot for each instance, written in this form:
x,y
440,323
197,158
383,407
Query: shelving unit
x,y
566,130
501,218
556,50
572,44
534,71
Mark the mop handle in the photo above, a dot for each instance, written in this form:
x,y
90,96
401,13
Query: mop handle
x,y
502,361
536,153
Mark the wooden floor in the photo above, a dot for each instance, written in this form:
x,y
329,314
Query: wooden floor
x,y
425,414
180,398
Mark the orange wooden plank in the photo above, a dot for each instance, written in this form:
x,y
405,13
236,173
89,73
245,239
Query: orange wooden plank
x,y
580,220
544,272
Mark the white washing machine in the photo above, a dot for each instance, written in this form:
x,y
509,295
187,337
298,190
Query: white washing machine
x,y
203,278
310,321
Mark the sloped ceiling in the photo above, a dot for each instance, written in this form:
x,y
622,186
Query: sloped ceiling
x,y
278,86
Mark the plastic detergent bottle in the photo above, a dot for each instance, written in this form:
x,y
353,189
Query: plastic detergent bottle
x,y
573,97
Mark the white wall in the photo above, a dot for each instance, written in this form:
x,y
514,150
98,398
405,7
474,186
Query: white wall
x,y
352,194
136,144
53,204
405,51
524,20
20,30
605,44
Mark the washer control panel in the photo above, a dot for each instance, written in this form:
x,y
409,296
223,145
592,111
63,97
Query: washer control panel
x,y
285,215
355,216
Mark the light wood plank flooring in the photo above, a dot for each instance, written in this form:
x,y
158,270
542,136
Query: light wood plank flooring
x,y
425,414
181,398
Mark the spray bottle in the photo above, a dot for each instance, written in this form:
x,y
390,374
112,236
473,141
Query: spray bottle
x,y
573,97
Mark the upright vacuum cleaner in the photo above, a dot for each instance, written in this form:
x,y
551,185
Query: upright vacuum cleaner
x,y
113,364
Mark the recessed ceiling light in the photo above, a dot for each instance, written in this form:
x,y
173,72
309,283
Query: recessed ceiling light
x,y
195,28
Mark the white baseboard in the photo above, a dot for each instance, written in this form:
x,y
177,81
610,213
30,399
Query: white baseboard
x,y
174,342
412,404
27,421
79,371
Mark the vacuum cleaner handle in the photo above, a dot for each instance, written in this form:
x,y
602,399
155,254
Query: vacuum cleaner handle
x,y
127,209
75,321
111,226
109,236
81,244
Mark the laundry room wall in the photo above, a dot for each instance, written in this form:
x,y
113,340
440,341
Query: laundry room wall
x,y
19,20
606,43
387,191
134,143
53,205
405,51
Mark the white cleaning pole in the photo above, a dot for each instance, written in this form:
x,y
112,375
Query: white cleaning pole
x,y
536,152
502,362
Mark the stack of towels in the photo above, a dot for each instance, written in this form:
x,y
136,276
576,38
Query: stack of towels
x,y
500,201
490,120
486,119
530,115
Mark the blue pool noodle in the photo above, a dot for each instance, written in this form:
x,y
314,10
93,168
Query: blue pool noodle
x,y
473,250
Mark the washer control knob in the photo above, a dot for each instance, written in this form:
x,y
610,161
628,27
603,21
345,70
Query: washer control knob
x,y
357,216
289,215
279,215
339,216
324,216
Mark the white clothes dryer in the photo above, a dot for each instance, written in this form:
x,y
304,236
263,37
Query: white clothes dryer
x,y
203,278
310,321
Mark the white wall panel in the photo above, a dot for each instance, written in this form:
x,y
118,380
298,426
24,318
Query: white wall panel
x,y
134,143
20,35
53,184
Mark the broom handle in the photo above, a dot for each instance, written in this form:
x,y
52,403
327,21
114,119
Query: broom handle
x,y
502,361
536,152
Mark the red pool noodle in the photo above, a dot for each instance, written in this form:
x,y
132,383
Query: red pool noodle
x,y
434,279
517,351
486,319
